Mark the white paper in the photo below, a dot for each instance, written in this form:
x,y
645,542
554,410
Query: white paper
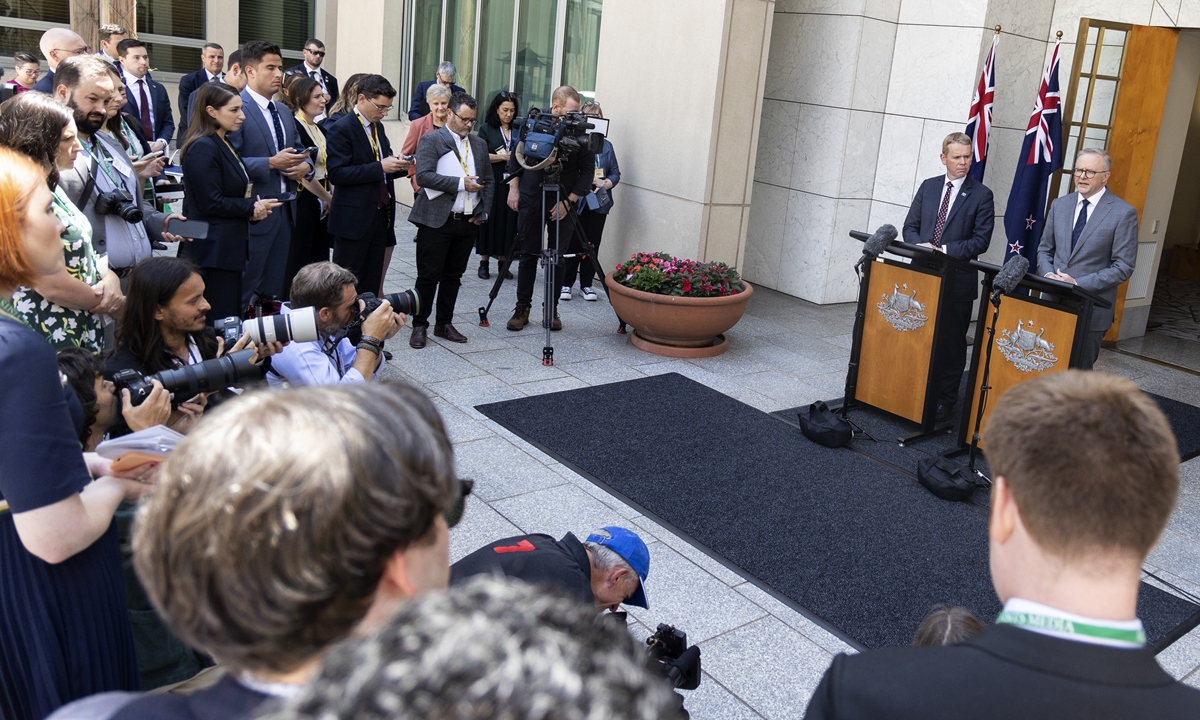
x,y
449,166
158,440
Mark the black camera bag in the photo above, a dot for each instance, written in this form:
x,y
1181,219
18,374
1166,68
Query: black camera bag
x,y
948,480
823,426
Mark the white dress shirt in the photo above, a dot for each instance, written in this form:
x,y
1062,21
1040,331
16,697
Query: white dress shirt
x,y
315,74
957,186
307,363
135,94
1019,605
1091,205
463,198
263,107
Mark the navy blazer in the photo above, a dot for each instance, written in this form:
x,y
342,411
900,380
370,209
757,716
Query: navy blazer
x,y
255,144
215,192
160,101
968,229
419,108
355,174
188,84
330,81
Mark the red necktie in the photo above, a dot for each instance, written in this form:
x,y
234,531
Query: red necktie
x,y
147,123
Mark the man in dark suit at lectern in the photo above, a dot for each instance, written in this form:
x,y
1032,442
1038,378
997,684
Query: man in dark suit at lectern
x,y
955,214
1067,538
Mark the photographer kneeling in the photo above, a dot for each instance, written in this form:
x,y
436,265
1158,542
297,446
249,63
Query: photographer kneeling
x,y
329,289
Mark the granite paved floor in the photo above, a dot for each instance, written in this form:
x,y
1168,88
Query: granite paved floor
x,y
761,658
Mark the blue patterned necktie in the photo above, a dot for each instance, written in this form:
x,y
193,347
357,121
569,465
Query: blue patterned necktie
x,y
1080,222
278,126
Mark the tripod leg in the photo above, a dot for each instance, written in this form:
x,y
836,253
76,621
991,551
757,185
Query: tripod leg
x,y
592,256
483,311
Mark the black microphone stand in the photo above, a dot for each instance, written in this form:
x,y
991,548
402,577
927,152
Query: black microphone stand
x,y
984,387
861,269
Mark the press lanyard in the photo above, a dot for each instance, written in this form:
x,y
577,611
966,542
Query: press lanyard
x,y
241,164
1071,627
462,158
102,160
370,127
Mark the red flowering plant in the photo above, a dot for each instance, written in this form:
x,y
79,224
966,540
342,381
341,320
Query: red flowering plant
x,y
663,274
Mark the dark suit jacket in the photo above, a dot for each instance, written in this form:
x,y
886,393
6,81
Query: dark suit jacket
x,y
968,229
419,108
45,83
431,147
1105,254
330,81
1004,672
254,143
160,116
215,192
188,84
355,173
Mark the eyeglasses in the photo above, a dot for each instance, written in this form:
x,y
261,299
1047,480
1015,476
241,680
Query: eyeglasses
x,y
470,123
77,51
318,53
385,109
1086,174
454,513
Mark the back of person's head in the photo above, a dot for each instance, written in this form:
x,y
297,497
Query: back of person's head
x,y
492,116
320,285
447,71
254,51
591,107
269,531
461,99
78,69
234,58
128,44
373,86
19,179
492,648
152,284
107,30
32,123
299,92
947,626
81,368
1091,463
211,94
564,94
349,95
23,57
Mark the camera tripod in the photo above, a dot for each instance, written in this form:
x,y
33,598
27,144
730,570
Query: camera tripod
x,y
551,257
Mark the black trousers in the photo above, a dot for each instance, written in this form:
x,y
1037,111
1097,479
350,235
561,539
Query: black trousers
x,y
529,227
1091,348
364,256
950,355
442,256
310,239
592,224
223,291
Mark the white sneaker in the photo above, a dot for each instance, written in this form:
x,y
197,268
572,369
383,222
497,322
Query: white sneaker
x,y
589,294
565,294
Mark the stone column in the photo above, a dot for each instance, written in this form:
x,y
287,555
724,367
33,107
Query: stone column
x,y
681,81
221,25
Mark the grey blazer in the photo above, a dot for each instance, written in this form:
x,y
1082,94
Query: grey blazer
x,y
1105,254
433,145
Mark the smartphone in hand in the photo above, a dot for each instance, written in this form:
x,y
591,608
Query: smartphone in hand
x,y
194,229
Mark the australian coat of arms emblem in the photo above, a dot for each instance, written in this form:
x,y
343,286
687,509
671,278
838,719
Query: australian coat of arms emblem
x,y
1027,351
902,311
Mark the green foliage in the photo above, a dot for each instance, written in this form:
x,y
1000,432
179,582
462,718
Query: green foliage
x,y
662,274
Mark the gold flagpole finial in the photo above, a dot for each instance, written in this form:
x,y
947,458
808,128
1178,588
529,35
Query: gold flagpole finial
x,y
1058,35
997,29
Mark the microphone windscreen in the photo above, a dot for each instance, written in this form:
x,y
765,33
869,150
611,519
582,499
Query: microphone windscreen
x,y
879,240
1011,274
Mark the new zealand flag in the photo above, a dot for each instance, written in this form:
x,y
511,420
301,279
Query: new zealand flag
x,y
1041,157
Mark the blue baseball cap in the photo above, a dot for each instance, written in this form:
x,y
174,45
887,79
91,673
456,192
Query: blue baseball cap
x,y
632,550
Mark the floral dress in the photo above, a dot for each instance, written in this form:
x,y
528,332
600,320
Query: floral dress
x,y
67,327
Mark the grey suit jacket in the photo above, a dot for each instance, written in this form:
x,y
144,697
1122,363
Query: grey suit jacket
x,y
1105,254
433,145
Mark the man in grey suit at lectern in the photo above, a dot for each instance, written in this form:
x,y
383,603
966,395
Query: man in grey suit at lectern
x,y
1090,241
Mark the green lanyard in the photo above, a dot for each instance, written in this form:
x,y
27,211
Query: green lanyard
x,y
102,160
1070,627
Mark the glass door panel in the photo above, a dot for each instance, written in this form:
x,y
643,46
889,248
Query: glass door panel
x,y
427,43
495,50
581,46
535,53
460,40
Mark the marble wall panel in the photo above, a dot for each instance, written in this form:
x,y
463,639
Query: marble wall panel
x,y
886,10
929,163
1019,67
1002,163
1189,13
776,142
874,69
1163,17
1068,12
806,245
812,58
820,145
648,220
820,7
764,237
1028,18
885,213
740,97
933,71
943,12
861,155
841,283
896,171
724,234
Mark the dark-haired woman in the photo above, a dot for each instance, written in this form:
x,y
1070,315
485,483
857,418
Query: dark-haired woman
x,y
496,235
66,307
64,633
218,191
310,237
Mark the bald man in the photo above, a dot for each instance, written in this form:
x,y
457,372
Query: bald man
x,y
56,45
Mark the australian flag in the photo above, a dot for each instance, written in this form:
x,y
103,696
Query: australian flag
x,y
979,127
1041,157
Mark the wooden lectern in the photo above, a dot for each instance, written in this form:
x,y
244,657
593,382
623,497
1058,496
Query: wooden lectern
x,y
896,331
1039,329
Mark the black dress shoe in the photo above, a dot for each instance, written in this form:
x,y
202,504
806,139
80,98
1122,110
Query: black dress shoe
x,y
943,411
484,274
448,332
418,336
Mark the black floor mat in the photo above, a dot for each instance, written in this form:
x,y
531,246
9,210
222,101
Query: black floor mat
x,y
848,540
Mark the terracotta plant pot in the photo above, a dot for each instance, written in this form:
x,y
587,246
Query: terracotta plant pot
x,y
678,326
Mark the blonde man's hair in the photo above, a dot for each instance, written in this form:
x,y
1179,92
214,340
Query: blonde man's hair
x,y
955,138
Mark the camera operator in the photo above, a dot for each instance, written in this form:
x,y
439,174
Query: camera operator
x,y
608,568
103,183
329,289
575,172
164,328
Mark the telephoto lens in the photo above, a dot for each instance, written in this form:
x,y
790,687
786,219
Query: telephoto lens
x,y
232,370
297,326
407,302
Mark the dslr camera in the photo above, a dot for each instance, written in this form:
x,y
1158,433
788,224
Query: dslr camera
x,y
669,653
407,302
119,202
543,132
232,370
299,325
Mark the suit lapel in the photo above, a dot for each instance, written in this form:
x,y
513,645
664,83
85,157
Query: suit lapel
x,y
960,200
255,118
1093,221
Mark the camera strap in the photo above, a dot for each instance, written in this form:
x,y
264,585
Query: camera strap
x,y
100,158
89,185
